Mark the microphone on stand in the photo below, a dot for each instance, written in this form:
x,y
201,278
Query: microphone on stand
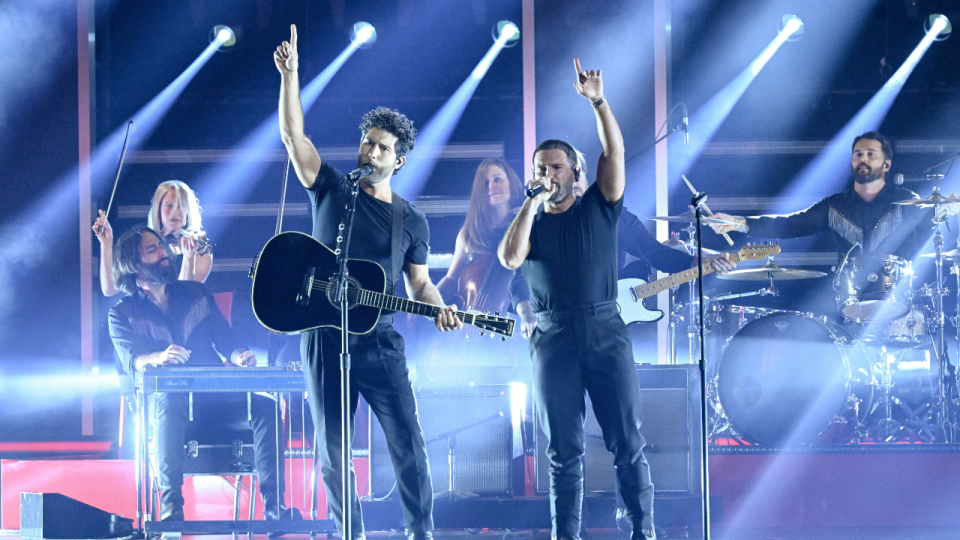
x,y
900,179
686,127
356,174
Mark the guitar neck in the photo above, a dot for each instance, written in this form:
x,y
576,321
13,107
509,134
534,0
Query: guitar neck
x,y
656,287
395,303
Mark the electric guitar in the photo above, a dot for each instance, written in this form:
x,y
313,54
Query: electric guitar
x,y
631,292
294,287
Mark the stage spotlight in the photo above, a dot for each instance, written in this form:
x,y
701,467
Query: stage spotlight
x,y
792,25
224,36
508,31
940,24
363,35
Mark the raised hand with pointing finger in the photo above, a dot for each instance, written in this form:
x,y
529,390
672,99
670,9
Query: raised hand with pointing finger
x,y
285,57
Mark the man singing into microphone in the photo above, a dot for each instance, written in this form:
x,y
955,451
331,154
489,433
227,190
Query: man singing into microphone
x,y
568,255
393,233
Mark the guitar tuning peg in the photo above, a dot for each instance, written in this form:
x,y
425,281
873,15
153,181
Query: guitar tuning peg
x,y
487,312
496,313
482,332
503,338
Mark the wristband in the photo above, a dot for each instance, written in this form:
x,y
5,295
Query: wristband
x,y
599,102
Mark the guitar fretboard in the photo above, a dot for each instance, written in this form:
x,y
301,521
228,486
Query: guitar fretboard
x,y
394,303
656,287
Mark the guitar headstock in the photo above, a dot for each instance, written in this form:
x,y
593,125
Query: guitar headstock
x,y
494,324
758,251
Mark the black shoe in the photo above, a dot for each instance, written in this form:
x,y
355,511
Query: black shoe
x,y
171,512
282,513
422,535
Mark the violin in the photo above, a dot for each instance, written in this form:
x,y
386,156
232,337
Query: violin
x,y
205,246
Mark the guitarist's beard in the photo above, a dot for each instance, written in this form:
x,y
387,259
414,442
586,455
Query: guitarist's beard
x,y
158,273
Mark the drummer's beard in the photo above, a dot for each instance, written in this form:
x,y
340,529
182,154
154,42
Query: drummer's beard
x,y
864,174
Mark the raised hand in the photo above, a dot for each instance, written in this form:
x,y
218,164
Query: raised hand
x,y
285,57
589,83
103,230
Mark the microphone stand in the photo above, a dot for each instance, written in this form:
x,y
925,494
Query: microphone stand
x,y
342,298
451,438
697,202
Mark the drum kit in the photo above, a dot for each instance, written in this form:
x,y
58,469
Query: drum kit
x,y
875,372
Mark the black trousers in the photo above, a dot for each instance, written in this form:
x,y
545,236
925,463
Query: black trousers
x,y
379,373
581,351
214,414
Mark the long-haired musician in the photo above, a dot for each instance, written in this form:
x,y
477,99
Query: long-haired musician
x,y
175,214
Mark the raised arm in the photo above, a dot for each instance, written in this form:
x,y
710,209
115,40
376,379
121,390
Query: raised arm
x,y
303,155
104,233
611,175
515,246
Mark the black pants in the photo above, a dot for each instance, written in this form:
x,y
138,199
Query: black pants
x,y
379,373
169,415
589,350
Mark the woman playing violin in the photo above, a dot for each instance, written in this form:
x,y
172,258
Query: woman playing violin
x,y
175,214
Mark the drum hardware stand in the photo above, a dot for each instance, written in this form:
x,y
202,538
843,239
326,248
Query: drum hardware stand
x,y
942,398
695,322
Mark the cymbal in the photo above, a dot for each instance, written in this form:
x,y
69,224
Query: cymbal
x,y
931,201
952,254
768,271
690,217
675,243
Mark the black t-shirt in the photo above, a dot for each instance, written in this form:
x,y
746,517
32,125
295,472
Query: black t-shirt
x,y
372,223
572,262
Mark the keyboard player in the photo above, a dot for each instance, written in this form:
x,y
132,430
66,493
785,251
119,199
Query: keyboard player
x,y
166,322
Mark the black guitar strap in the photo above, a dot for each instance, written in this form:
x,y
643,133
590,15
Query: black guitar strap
x,y
396,236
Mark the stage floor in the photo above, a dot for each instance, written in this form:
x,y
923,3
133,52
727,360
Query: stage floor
x,y
611,534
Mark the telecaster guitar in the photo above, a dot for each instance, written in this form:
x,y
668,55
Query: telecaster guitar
x,y
631,292
294,287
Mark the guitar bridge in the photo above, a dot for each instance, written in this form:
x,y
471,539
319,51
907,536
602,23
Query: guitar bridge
x,y
303,297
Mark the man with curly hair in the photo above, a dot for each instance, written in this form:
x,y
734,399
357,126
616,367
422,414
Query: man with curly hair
x,y
393,233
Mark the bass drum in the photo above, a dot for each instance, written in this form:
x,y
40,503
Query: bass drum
x,y
788,379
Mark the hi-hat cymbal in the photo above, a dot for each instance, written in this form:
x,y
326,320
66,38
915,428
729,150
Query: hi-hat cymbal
x,y
931,201
770,271
690,217
677,244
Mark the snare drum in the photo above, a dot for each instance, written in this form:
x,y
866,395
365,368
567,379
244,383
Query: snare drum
x,y
788,378
874,288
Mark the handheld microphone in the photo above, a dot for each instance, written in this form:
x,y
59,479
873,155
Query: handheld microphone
x,y
686,127
356,174
899,179
535,190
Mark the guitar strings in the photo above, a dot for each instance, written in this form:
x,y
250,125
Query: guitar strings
x,y
354,294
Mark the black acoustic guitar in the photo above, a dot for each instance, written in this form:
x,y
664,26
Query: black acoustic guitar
x,y
294,286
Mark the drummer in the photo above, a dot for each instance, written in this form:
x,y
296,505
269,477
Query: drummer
x,y
864,215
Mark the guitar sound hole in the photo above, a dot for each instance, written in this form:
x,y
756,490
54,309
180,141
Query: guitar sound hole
x,y
353,287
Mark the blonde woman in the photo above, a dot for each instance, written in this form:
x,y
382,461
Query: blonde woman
x,y
175,214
